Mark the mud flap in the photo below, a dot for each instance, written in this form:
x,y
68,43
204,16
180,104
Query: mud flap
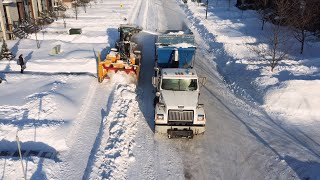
x,y
175,133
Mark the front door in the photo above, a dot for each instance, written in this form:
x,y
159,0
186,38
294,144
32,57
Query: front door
x,y
20,11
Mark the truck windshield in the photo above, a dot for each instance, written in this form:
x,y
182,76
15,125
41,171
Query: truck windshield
x,y
179,84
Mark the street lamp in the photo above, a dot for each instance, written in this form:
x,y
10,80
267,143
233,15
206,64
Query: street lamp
x,y
37,41
207,9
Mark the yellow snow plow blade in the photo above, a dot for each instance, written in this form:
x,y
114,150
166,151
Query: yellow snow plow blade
x,y
113,63
124,57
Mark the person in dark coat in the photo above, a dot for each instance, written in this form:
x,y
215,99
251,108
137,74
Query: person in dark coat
x,y
21,63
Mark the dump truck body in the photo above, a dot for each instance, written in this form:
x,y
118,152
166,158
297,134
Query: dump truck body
x,y
168,44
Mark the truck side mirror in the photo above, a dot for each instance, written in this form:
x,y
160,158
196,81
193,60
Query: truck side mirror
x,y
156,69
202,80
155,81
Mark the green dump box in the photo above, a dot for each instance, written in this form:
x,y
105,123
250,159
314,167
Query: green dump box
x,y
75,31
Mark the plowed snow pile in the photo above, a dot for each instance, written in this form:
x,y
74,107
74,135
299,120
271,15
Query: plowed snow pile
x,y
296,97
114,154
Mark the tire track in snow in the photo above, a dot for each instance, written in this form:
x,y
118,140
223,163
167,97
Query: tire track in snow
x,y
133,18
82,135
145,15
115,152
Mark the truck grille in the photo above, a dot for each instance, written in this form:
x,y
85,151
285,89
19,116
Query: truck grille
x,y
178,115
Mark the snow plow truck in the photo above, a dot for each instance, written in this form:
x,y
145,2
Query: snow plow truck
x,y
124,57
178,112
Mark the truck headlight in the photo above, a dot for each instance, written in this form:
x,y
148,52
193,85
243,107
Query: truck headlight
x,y
200,117
159,117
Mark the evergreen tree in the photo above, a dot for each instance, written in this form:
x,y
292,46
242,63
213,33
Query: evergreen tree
x,y
5,52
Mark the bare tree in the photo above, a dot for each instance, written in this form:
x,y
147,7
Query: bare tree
x,y
84,4
75,5
229,4
277,42
64,20
276,49
239,3
264,10
303,20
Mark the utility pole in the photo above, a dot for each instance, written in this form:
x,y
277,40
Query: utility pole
x,y
207,9
19,149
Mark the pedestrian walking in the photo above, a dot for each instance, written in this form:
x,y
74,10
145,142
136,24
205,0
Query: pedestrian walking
x,y
22,63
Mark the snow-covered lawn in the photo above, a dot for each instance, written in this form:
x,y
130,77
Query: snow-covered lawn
x,y
41,111
289,91
57,105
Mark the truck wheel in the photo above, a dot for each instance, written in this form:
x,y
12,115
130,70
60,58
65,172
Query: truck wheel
x,y
137,62
155,101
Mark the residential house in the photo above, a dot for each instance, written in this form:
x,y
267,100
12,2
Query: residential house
x,y
14,11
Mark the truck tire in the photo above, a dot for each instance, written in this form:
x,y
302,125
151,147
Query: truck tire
x,y
155,101
137,61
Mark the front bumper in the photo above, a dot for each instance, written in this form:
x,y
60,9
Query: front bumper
x,y
179,130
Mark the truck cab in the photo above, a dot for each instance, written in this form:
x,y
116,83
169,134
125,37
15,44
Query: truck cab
x,y
177,109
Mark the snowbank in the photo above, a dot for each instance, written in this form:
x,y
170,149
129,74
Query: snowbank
x,y
296,99
114,154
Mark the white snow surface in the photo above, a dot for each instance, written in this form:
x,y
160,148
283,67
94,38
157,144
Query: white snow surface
x,y
296,100
260,124
177,33
117,140
182,45
233,32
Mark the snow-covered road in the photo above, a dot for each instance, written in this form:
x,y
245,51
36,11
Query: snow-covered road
x,y
107,129
241,142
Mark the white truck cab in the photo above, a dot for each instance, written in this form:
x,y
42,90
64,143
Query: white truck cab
x,y
177,109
